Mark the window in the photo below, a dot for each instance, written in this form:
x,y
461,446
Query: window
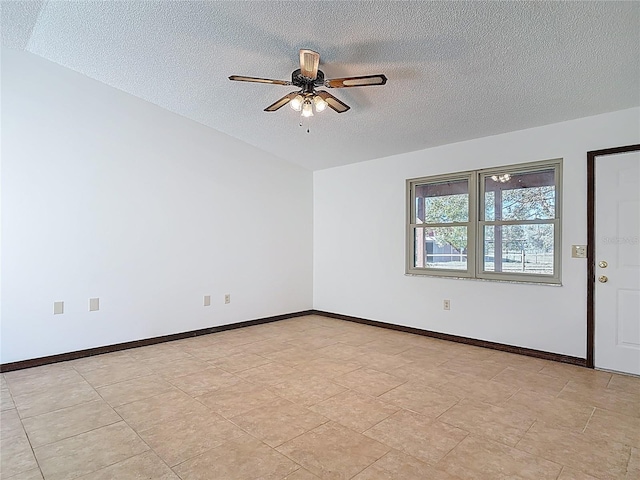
x,y
501,223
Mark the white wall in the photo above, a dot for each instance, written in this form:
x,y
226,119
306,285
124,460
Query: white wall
x,y
105,195
359,238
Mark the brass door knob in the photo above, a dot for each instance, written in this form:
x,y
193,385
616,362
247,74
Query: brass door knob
x,y
603,279
603,264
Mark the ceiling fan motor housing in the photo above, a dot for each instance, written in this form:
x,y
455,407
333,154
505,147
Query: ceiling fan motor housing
x,y
307,84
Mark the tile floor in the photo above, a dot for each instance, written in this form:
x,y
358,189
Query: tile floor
x,y
314,397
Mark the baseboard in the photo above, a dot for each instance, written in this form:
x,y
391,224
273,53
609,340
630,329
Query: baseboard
x,y
556,357
63,357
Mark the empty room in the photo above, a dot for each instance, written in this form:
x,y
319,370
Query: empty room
x,y
313,240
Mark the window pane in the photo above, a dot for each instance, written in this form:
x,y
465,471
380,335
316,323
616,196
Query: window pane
x,y
442,247
519,248
442,202
520,196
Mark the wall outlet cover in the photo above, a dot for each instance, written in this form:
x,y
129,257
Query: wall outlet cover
x,y
58,308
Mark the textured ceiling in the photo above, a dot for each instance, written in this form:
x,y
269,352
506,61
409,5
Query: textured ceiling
x,y
457,70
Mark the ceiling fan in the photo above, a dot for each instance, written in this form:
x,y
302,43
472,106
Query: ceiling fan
x,y
307,78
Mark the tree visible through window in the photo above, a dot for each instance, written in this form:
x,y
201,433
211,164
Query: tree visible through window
x,y
507,218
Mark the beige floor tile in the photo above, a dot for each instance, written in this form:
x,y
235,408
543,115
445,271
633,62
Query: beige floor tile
x,y
426,375
522,362
88,452
614,426
39,379
396,465
204,381
204,352
310,341
6,401
54,398
237,398
67,422
605,398
603,459
16,456
115,359
307,390
552,410
152,411
388,347
161,352
238,459
29,475
184,436
301,474
420,399
292,355
535,382
625,383
481,369
327,367
135,389
356,338
569,474
179,367
354,410
502,425
276,422
145,466
240,361
264,347
381,361
109,374
633,466
369,381
44,371
340,351
424,356
10,424
467,386
333,452
586,376
416,435
481,459
270,374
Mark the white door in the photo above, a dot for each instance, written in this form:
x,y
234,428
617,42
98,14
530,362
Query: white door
x,y
617,258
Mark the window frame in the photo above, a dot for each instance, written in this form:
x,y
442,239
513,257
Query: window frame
x,y
477,222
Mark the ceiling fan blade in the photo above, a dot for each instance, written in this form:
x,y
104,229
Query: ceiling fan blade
x,y
309,62
362,81
240,78
333,102
281,103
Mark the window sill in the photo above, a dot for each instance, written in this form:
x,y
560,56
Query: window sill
x,y
491,280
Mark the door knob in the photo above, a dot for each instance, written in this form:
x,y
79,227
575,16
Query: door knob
x,y
603,279
603,264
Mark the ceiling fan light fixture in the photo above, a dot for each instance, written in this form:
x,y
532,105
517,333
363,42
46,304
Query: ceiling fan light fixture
x,y
307,108
296,103
319,103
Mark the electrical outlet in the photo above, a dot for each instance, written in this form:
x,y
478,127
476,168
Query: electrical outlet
x,y
207,300
58,308
446,304
94,304
227,298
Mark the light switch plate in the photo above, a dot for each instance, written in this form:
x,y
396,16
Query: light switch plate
x,y
94,304
207,300
579,251
58,308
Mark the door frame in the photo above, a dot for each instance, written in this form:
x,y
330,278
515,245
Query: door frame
x,y
591,246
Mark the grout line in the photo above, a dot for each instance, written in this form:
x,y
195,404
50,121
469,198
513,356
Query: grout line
x,y
590,417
